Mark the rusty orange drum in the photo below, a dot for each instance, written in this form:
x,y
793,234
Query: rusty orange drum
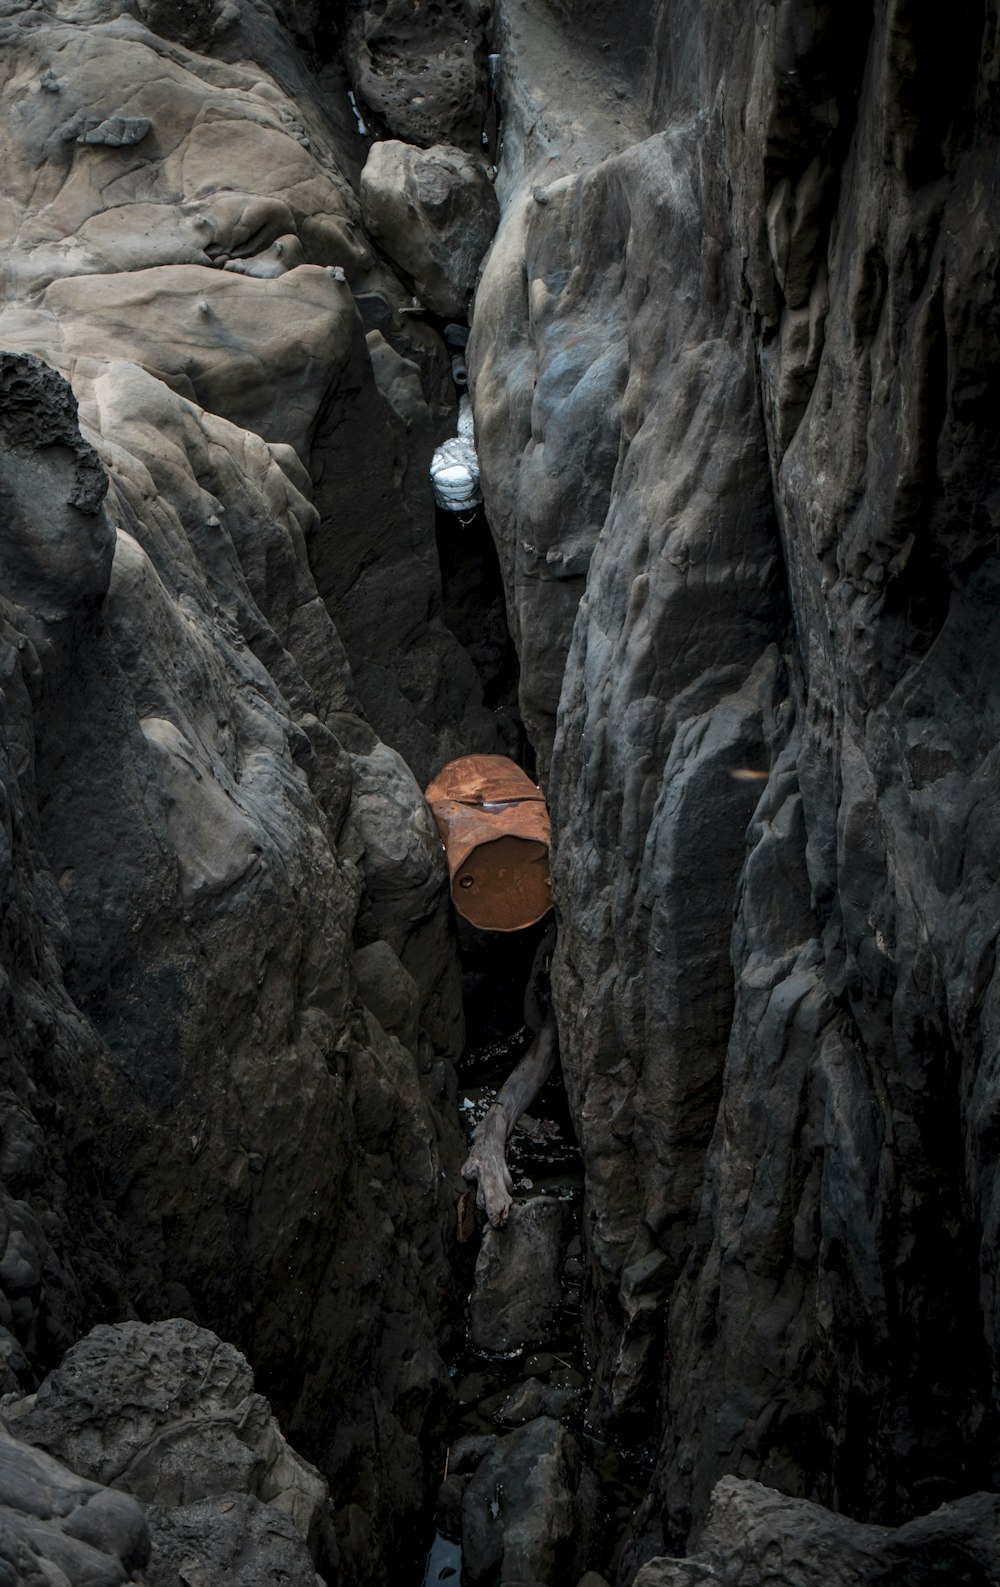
x,y
496,833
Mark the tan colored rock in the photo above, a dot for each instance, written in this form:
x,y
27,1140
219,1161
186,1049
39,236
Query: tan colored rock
x,y
257,352
227,168
187,827
434,213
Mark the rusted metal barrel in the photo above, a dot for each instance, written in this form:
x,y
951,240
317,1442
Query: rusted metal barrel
x,y
496,833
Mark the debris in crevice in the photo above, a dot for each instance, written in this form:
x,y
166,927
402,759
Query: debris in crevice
x,y
455,467
362,128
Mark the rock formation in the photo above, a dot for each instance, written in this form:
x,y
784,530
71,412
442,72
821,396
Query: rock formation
x,y
731,359
733,370
167,1415
210,856
434,212
754,1533
525,1510
57,1527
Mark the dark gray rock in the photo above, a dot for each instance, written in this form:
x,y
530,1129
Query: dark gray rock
x,y
422,72
526,1511
373,556
448,1509
466,1452
58,1260
734,369
744,490
516,1294
434,212
229,1541
167,1412
533,1399
57,1527
129,801
388,990
754,1532
38,415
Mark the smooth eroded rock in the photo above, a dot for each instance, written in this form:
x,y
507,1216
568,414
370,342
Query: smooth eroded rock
x,y
58,1527
434,212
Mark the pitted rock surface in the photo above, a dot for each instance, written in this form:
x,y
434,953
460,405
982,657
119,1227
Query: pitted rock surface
x,y
168,1413
199,1484
233,1541
422,72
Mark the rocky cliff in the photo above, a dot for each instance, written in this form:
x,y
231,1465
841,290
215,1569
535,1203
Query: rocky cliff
x,y
230,996
733,365
733,357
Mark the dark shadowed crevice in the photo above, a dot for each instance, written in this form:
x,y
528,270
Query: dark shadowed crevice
x,y
476,613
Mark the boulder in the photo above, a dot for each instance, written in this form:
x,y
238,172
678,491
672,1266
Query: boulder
x,y
525,1511
388,990
168,1413
754,1533
420,69
516,1294
434,212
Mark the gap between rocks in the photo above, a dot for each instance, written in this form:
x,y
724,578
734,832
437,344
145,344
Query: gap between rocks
x,y
519,1448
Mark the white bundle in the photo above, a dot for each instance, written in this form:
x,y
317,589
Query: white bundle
x,y
455,467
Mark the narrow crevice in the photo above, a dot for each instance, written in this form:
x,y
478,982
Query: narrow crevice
x,y
476,613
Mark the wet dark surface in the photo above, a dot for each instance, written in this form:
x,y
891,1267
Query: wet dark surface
x,y
544,1161
495,970
476,613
